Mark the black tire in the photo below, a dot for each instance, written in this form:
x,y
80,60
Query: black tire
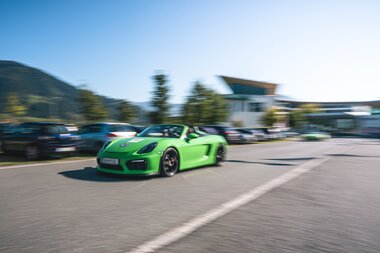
x,y
220,155
32,153
169,163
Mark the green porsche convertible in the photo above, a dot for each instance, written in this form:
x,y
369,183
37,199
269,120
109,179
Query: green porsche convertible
x,y
163,150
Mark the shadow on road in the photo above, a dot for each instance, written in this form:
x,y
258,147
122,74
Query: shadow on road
x,y
350,155
292,159
264,163
91,174
21,158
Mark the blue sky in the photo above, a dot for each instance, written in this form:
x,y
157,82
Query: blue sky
x,y
316,50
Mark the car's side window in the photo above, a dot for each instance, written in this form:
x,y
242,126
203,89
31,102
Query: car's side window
x,y
89,129
29,129
121,128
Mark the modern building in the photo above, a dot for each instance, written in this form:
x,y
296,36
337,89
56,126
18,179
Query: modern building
x,y
250,99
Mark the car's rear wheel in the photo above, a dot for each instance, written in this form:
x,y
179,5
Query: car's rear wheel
x,y
220,155
169,163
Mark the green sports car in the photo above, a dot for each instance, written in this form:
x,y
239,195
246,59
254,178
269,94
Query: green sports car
x,y
163,150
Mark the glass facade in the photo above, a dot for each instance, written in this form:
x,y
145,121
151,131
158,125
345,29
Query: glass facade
x,y
255,107
248,90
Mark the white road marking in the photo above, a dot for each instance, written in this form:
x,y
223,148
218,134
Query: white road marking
x,y
44,164
229,206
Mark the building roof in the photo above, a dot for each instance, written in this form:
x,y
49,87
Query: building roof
x,y
373,103
270,88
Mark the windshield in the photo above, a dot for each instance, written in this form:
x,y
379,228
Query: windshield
x,y
166,131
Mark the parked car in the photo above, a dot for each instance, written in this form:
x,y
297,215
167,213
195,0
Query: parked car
x,y
290,133
259,134
231,135
313,135
249,136
93,136
37,139
271,134
3,129
72,128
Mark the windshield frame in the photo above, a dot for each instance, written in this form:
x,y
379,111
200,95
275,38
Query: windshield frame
x,y
164,126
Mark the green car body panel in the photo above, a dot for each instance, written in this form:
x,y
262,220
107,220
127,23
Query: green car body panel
x,y
192,152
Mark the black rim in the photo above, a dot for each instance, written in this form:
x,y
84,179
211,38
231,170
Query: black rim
x,y
170,163
220,154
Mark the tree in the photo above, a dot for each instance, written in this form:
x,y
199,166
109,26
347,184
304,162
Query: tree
x,y
270,117
126,111
308,110
160,104
304,115
296,118
92,107
14,106
204,106
221,109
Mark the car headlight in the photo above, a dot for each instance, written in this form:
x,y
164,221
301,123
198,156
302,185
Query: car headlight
x,y
148,148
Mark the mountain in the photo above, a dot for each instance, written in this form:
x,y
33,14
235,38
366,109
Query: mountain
x,y
43,94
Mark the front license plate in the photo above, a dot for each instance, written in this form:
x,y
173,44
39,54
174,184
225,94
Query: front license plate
x,y
111,161
67,149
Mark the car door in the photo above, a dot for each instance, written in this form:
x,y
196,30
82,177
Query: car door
x,y
92,136
25,136
195,151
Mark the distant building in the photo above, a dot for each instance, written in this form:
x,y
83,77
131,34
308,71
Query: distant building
x,y
250,99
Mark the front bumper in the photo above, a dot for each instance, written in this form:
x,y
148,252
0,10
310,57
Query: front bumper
x,y
130,164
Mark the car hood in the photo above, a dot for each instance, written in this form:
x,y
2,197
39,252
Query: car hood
x,y
130,144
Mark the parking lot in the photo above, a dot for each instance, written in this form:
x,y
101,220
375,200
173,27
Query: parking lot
x,y
317,196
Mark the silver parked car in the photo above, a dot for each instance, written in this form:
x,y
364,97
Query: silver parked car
x,y
93,136
246,135
259,134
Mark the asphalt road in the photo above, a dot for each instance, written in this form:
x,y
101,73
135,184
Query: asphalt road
x,y
335,207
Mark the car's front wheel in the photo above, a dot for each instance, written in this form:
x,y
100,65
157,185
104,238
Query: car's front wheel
x,y
169,163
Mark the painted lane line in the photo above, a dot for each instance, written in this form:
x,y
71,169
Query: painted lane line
x,y
44,164
188,227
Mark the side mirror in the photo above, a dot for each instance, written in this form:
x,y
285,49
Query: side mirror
x,y
192,136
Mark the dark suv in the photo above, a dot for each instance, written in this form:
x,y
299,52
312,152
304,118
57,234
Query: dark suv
x,y
36,139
